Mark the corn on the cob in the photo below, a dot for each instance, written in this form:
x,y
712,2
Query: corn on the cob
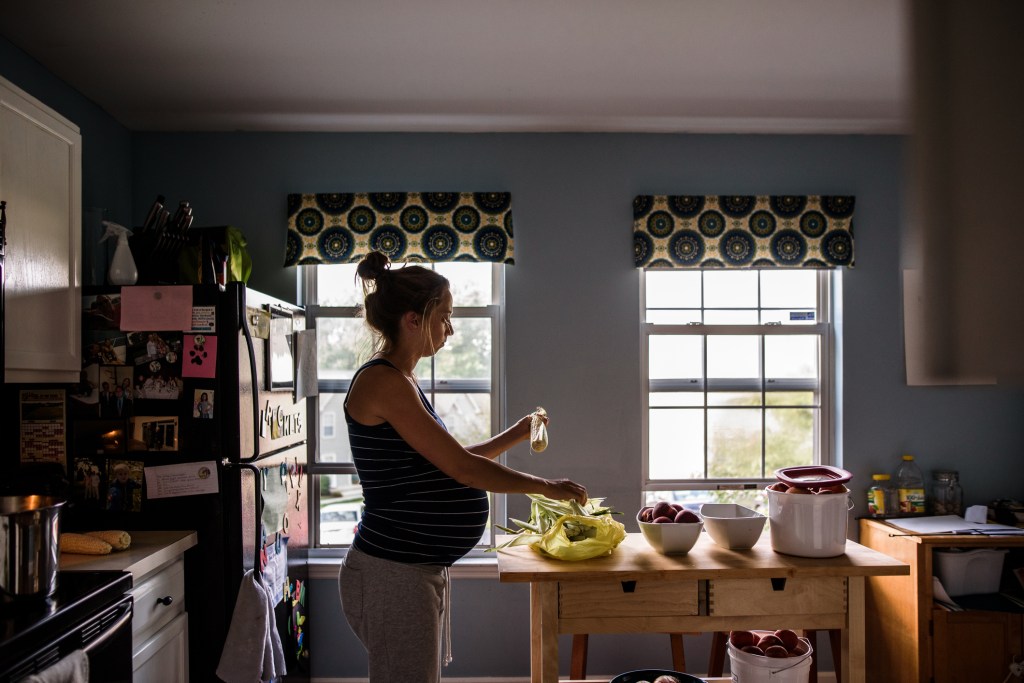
x,y
118,540
538,431
80,544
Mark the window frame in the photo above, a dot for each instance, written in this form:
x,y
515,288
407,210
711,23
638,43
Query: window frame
x,y
828,284
495,311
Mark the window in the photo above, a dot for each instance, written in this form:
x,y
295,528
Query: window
x,y
327,422
738,372
461,380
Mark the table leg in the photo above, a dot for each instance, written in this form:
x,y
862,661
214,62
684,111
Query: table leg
x,y
854,648
543,632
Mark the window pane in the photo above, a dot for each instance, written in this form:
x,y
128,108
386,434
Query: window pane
x,y
789,316
676,444
339,518
730,289
470,282
733,356
467,416
790,398
676,399
683,316
791,356
789,289
789,438
337,285
342,345
730,317
332,407
674,356
734,443
467,353
734,398
672,289
755,498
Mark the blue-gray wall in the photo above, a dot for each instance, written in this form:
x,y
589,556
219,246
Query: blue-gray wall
x,y
572,316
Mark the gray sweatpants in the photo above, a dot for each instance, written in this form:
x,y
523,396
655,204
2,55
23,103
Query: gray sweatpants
x,y
396,610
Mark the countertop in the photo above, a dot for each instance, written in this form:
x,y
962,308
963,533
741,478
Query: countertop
x,y
706,560
149,551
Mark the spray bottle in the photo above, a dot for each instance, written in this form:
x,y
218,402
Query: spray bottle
x,y
122,267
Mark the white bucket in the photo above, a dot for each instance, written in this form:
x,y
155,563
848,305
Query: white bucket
x,y
748,668
809,525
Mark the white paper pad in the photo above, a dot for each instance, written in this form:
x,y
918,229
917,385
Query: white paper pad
x,y
946,524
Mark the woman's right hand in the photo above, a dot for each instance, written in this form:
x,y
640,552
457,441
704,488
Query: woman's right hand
x,y
566,489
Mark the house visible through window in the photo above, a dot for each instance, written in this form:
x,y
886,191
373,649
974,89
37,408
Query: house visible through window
x,y
737,370
461,380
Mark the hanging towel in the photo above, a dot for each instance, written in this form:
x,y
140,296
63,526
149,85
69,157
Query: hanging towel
x,y
252,642
74,668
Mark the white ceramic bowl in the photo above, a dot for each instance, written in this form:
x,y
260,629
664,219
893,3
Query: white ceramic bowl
x,y
732,526
670,538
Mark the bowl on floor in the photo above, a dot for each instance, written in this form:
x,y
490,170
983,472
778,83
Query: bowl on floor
x,y
649,675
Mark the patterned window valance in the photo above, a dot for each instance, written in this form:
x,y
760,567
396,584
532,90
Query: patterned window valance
x,y
682,231
407,226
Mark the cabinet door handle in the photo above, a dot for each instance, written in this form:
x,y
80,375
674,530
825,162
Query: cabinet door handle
x,y
166,600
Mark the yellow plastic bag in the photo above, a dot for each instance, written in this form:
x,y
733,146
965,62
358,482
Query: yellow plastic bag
x,y
575,537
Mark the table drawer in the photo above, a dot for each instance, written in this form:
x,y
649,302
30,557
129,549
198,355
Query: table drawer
x,y
644,597
756,597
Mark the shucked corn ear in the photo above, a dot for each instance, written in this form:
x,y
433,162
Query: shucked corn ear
x,y
118,540
538,430
81,544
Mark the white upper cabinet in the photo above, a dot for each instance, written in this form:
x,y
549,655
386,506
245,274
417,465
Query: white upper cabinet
x,y
41,181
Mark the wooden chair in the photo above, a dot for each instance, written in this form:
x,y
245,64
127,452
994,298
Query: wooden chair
x,y
578,664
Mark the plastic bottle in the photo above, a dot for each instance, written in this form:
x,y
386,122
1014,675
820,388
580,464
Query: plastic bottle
x,y
122,266
910,487
882,500
947,496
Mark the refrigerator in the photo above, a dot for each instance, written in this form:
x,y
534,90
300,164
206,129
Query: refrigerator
x,y
191,414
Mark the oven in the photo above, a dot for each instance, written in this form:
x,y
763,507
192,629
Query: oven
x,y
90,611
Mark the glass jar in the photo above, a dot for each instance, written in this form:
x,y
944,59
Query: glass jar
x,y
882,500
947,496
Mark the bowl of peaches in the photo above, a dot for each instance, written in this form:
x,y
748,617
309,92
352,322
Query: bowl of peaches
x,y
669,528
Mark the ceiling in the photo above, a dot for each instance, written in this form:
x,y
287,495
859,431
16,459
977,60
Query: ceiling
x,y
715,66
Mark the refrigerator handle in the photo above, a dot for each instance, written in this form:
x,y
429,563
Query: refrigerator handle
x,y
251,348
257,546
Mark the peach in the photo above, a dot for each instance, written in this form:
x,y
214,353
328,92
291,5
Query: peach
x,y
797,489
788,637
776,651
799,649
645,514
686,517
663,509
740,639
779,486
769,640
663,520
752,649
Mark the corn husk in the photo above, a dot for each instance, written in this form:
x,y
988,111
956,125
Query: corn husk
x,y
566,530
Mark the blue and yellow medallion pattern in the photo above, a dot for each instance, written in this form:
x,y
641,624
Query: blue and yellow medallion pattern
x,y
743,231
407,226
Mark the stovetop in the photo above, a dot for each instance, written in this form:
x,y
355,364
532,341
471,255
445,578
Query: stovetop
x,y
26,622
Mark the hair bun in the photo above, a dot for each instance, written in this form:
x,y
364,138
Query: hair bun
x,y
373,265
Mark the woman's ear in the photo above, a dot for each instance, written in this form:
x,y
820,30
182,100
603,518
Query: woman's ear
x,y
411,319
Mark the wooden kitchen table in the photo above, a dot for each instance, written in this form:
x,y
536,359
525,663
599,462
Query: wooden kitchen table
x,y
638,590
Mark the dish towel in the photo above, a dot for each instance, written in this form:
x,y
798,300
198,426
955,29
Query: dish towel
x,y
74,668
252,650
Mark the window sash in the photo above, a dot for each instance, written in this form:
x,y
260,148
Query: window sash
x,y
824,430
431,387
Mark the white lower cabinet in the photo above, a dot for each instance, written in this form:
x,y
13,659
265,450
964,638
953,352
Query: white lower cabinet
x,y
160,626
164,656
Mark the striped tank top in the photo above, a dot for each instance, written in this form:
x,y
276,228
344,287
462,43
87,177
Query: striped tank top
x,y
413,512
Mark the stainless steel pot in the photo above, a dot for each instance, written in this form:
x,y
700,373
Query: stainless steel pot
x,y
29,545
